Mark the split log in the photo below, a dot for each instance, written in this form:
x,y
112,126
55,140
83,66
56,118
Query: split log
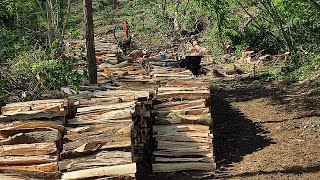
x,y
163,145
38,107
6,133
32,125
77,148
32,137
164,129
27,160
93,128
177,118
48,112
173,75
174,167
173,160
194,151
198,111
49,167
9,176
178,105
184,95
120,170
185,134
99,101
104,158
185,139
109,122
28,149
169,89
104,118
105,108
121,93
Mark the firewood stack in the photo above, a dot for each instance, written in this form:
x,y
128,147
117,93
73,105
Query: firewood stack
x,y
31,137
105,50
182,130
101,140
98,142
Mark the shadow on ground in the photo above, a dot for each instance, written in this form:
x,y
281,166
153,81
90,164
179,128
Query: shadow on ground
x,y
234,134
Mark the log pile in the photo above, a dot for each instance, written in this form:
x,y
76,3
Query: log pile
x,y
182,130
107,136
106,51
31,137
98,141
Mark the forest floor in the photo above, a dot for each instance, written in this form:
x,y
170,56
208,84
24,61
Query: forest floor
x,y
266,130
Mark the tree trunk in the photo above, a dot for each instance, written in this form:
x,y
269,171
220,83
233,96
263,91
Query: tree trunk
x,y
273,12
176,16
66,21
49,22
92,68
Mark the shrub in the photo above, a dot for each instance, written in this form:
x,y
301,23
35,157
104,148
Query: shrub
x,y
51,72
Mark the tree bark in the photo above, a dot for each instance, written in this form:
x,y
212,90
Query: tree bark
x,y
49,22
66,21
92,68
176,16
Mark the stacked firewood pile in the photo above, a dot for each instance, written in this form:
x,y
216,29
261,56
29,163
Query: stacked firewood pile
x,y
98,142
104,50
182,130
31,137
106,136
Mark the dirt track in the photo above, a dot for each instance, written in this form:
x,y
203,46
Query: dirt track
x,y
266,132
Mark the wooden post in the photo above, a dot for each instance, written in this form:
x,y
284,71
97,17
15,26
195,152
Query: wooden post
x,y
91,58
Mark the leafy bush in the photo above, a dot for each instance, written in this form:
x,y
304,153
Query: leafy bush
x,y
51,72
11,43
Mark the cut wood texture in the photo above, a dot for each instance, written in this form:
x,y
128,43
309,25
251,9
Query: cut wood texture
x,y
49,167
31,125
38,109
176,105
104,158
174,167
111,171
184,95
98,142
27,160
48,112
182,130
105,108
32,137
28,149
123,93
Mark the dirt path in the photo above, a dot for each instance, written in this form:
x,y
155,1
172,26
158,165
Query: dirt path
x,y
266,132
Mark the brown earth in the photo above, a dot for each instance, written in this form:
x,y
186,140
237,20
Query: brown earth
x,y
266,131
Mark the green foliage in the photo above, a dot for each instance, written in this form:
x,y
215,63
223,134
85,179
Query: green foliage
x,y
15,13
51,71
12,42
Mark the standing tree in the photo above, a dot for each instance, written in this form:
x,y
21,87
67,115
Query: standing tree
x,y
92,68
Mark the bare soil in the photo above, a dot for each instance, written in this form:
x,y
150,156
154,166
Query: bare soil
x,y
266,131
